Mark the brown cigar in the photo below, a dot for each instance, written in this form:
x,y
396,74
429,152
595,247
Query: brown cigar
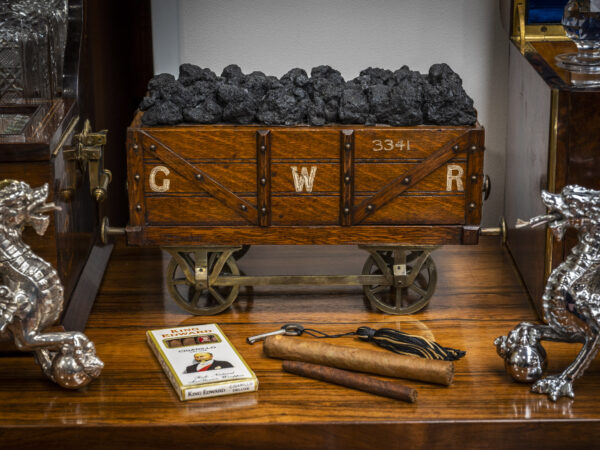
x,y
360,360
352,380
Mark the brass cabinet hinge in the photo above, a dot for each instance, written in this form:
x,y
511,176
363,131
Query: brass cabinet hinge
x,y
87,152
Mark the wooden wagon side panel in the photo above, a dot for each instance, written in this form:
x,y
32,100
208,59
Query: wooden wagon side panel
x,y
189,182
418,176
305,174
418,209
209,184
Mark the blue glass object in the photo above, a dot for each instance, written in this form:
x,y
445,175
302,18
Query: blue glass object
x,y
544,11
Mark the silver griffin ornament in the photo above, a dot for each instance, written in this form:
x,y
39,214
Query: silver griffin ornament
x,y
31,294
571,299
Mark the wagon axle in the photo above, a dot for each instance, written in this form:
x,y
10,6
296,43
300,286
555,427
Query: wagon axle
x,y
395,279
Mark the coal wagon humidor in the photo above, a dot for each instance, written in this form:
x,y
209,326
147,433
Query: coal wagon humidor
x,y
207,192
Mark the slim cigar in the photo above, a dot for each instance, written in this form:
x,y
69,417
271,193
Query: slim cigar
x,y
352,380
360,360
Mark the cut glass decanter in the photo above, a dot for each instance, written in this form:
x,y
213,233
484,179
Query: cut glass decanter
x,y
581,21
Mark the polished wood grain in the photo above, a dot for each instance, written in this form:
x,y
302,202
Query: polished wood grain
x,y
399,185
297,235
547,51
347,181
35,173
136,175
263,177
179,164
474,179
49,118
369,177
116,64
478,298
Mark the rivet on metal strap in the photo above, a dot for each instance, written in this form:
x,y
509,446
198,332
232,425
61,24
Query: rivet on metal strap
x,y
263,181
152,147
244,208
473,178
407,180
137,177
472,205
347,179
263,148
370,208
473,148
138,207
199,177
456,148
346,211
263,210
348,146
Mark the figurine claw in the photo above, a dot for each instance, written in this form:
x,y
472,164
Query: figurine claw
x,y
555,387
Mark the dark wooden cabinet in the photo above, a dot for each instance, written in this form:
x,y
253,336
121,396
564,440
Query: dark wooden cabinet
x,y
553,140
108,61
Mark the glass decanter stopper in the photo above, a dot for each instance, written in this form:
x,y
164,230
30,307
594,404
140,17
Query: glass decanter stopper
x,y
581,20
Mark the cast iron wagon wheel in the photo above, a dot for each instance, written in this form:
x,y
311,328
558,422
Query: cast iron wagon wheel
x,y
201,300
413,292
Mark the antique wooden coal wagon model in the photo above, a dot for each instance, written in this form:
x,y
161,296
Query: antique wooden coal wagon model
x,y
206,192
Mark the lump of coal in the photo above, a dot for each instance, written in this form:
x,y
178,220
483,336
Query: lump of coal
x,y
258,84
239,106
378,76
407,98
208,111
328,85
316,112
445,100
280,107
354,105
296,78
189,74
380,103
163,113
147,102
232,73
376,96
164,87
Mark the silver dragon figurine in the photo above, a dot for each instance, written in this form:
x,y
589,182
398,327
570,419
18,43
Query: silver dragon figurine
x,y
571,299
31,294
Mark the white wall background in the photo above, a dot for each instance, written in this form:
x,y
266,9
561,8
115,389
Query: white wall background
x,y
276,35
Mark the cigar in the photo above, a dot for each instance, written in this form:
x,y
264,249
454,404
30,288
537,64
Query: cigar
x,y
360,360
352,380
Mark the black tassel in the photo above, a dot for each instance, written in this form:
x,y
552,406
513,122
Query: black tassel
x,y
408,344
398,342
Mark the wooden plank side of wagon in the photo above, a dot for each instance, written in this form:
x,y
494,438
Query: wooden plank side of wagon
x,y
423,211
301,235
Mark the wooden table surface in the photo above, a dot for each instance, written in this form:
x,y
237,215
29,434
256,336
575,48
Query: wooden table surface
x,y
479,297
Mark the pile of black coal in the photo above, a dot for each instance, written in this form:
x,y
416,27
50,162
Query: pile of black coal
x,y
376,96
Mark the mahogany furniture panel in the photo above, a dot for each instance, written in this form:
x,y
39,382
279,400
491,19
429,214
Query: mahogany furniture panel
x,y
552,141
103,38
